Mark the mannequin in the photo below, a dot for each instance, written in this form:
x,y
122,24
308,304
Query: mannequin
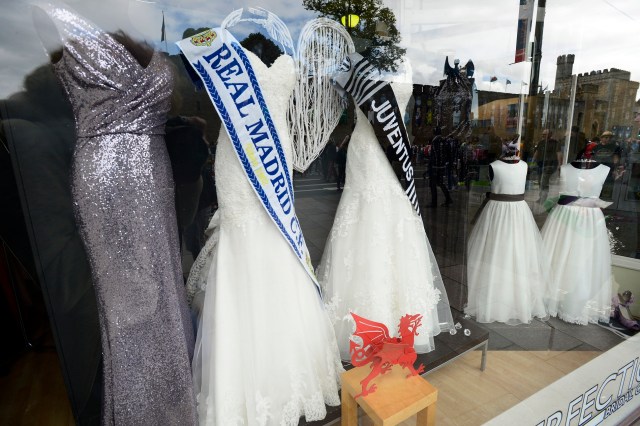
x,y
507,269
585,163
121,180
510,154
577,244
273,298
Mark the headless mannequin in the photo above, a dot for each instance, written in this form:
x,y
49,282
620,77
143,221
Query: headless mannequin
x,y
82,362
511,159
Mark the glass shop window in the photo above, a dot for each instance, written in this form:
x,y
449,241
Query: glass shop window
x,y
524,123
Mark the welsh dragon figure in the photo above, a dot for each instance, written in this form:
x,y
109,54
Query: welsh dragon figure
x,y
382,350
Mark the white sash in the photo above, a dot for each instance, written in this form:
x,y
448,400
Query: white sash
x,y
231,83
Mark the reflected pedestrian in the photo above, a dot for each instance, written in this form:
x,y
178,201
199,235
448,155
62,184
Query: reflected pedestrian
x,y
548,156
437,171
341,162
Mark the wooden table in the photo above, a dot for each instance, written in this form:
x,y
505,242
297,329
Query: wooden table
x,y
448,348
396,399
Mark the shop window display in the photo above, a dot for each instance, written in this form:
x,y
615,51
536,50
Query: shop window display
x,y
103,190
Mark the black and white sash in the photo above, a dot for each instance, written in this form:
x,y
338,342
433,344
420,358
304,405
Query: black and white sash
x,y
232,85
363,82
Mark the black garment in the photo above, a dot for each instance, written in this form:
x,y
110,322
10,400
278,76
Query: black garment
x,y
38,125
437,177
439,159
341,162
468,164
187,150
452,153
609,155
577,145
328,161
194,236
546,156
188,153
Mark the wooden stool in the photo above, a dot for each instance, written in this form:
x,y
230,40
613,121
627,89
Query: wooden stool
x,y
396,399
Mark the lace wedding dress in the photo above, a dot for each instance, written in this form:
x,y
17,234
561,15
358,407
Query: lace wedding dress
x,y
576,240
265,350
377,260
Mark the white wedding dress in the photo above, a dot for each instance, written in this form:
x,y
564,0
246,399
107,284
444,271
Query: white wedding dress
x,y
265,350
507,269
377,261
576,240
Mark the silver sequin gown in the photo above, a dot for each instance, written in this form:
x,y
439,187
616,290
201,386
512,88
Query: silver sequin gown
x,y
124,203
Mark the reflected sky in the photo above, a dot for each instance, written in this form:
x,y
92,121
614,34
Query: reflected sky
x,y
601,33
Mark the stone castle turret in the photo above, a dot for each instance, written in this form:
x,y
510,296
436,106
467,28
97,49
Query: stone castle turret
x,y
564,66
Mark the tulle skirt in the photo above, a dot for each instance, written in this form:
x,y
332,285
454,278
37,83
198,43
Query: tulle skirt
x,y
265,349
575,239
507,270
378,264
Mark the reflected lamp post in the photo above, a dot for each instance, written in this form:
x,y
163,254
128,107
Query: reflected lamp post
x,y
350,20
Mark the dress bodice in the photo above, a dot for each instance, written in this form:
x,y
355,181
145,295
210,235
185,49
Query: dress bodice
x,y
508,178
236,198
368,169
109,90
586,183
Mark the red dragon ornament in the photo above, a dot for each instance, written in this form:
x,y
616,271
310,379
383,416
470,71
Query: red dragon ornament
x,y
382,350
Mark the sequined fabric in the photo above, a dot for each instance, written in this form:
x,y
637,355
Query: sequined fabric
x,y
124,203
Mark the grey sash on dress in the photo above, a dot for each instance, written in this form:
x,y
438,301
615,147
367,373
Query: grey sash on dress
x,y
496,197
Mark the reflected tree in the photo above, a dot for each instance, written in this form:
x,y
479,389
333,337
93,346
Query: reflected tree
x,y
375,34
193,31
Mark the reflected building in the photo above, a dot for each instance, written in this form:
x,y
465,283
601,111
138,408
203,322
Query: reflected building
x,y
636,120
605,99
447,107
498,110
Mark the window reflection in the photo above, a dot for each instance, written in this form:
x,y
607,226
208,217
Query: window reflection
x,y
469,100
